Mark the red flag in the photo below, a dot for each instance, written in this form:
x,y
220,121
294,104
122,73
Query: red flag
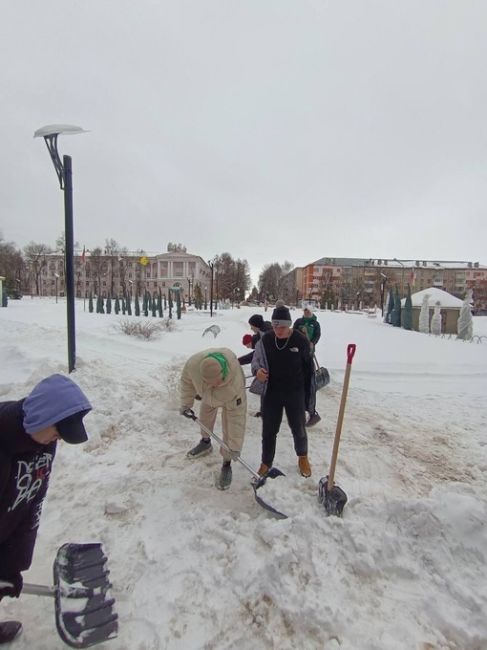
x,y
83,255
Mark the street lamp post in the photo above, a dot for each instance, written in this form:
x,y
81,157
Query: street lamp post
x,y
56,281
64,173
383,283
402,274
206,300
189,292
211,264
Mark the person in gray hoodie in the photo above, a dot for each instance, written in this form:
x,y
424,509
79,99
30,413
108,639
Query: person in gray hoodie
x,y
29,431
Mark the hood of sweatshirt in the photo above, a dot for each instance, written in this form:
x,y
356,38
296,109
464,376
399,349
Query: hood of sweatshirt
x,y
53,399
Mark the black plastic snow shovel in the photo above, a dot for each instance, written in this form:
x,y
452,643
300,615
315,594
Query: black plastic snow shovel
x,y
84,609
258,480
330,495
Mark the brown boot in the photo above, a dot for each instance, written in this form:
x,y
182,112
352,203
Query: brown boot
x,y
263,469
304,466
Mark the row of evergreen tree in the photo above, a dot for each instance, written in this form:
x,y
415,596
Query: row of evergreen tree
x,y
395,314
148,303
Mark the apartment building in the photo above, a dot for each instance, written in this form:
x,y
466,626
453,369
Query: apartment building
x,y
354,281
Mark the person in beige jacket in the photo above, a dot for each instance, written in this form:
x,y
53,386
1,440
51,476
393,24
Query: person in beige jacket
x,y
216,377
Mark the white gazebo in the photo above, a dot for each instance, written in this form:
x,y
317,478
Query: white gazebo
x,y
449,307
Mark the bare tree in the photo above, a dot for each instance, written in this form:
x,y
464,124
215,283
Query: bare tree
x,y
270,280
113,251
61,244
35,257
11,265
96,267
232,277
176,248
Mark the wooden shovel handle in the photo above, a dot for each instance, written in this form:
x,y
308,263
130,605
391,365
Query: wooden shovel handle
x,y
336,443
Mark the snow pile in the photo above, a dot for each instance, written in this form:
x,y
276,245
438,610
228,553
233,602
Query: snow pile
x,y
195,567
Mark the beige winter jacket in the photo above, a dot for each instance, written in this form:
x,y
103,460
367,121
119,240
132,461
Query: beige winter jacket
x,y
230,396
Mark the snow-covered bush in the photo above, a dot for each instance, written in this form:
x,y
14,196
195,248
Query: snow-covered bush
x,y
436,319
424,315
145,329
465,321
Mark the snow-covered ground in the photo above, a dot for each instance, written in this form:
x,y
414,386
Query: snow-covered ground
x,y
193,567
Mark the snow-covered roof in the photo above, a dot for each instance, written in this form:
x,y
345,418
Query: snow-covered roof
x,y
446,299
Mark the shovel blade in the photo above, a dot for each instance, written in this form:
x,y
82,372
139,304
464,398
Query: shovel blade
x,y
272,473
333,499
84,608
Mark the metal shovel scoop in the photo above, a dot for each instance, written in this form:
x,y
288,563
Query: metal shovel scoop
x,y
258,480
84,609
330,495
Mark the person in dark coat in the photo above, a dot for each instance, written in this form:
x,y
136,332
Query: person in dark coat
x,y
29,431
259,327
282,364
309,326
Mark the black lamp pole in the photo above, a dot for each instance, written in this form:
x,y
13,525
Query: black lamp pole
x,y
382,291
211,264
69,272
64,173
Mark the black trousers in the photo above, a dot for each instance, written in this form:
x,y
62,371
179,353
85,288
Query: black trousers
x,y
274,404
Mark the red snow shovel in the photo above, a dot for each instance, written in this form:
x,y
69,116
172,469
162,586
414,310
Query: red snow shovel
x,y
258,480
329,494
84,609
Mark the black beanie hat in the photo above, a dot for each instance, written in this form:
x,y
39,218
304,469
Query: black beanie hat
x,y
281,316
257,321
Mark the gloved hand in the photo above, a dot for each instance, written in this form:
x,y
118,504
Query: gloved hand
x,y
13,591
187,411
198,397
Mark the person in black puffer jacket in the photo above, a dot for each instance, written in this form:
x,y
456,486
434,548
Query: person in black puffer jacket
x,y
283,366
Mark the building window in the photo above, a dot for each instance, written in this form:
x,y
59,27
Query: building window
x,y
178,269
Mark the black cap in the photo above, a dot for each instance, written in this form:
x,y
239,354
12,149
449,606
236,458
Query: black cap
x,y
281,316
72,429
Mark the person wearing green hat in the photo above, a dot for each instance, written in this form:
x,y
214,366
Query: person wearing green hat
x,y
216,377
309,326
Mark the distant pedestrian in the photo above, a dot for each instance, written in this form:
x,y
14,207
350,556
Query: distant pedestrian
x,y
282,362
309,326
216,377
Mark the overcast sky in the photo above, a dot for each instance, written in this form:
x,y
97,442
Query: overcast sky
x,y
272,129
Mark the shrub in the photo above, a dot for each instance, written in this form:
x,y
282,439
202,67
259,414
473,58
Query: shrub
x,y
145,329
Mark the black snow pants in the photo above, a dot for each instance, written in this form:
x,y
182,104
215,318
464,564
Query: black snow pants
x,y
273,406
